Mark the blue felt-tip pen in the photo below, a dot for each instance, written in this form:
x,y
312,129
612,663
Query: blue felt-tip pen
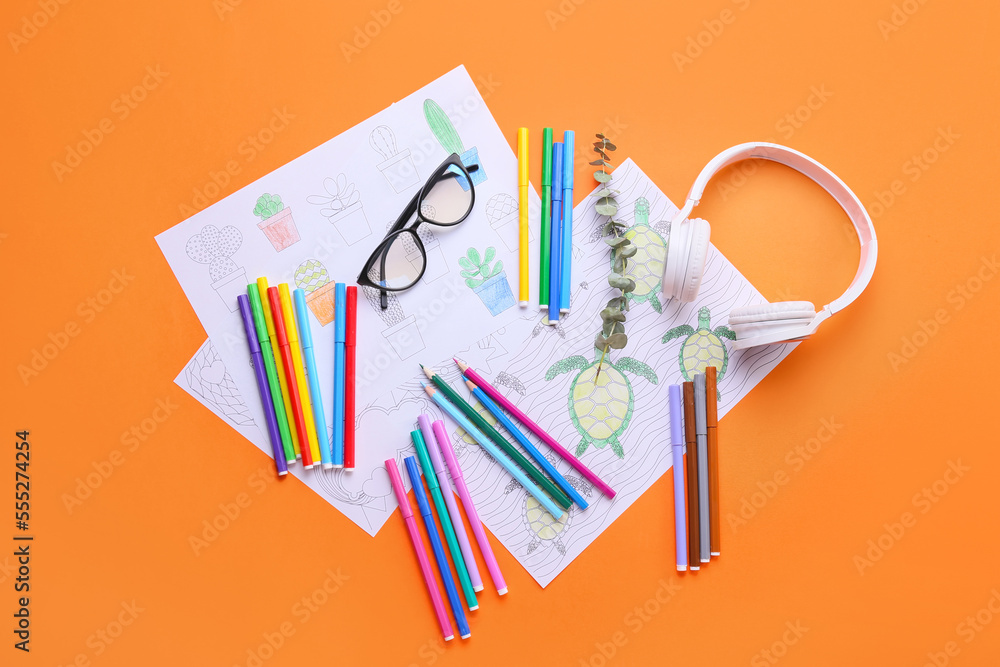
x,y
339,368
312,376
566,267
555,261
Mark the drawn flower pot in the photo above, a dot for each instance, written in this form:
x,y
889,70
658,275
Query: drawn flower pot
x,y
437,265
503,215
352,223
321,303
231,286
496,294
400,171
280,229
405,338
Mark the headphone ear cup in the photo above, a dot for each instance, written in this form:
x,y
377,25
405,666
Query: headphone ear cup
x,y
697,255
771,322
687,250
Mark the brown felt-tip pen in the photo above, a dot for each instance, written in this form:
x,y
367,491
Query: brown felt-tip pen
x,y
694,534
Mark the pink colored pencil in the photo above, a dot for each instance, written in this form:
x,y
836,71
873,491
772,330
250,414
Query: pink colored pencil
x,y
418,547
481,382
444,442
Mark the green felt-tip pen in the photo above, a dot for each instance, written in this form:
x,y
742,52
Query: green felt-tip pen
x,y
442,511
546,229
272,373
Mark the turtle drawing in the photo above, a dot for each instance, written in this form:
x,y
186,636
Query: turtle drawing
x,y
703,346
600,403
646,266
542,525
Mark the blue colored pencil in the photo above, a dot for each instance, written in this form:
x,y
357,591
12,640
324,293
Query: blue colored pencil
x,y
432,533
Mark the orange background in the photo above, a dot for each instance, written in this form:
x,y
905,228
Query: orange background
x,y
588,66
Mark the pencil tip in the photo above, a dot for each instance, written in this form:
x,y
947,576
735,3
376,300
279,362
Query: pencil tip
x,y
428,372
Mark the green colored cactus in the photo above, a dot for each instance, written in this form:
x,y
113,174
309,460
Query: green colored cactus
x,y
215,247
267,205
476,270
442,127
642,211
311,275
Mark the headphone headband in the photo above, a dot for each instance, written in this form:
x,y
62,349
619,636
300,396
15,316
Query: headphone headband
x,y
824,178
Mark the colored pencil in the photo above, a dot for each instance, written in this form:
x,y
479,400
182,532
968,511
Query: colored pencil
x,y
312,377
431,446
339,371
351,352
418,548
522,210
292,331
495,452
556,231
444,445
566,265
293,387
546,226
484,426
434,485
257,361
677,451
279,365
270,368
491,391
701,437
712,396
505,421
435,539
691,446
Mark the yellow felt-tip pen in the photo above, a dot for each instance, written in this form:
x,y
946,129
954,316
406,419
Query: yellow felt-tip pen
x,y
286,398
522,204
312,442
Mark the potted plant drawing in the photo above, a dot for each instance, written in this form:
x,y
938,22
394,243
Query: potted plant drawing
x,y
401,331
276,221
502,214
312,278
489,283
397,166
447,136
215,247
342,206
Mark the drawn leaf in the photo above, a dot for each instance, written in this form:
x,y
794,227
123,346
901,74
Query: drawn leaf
x,y
465,263
473,256
490,253
498,268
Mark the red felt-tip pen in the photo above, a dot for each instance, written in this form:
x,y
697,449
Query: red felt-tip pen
x,y
293,385
350,348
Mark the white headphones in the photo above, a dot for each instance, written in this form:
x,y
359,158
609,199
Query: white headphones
x,y
785,321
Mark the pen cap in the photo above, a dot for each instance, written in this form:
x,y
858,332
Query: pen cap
x,y
418,486
557,171
700,415
522,156
302,318
569,139
712,395
340,313
258,314
425,460
248,323
351,338
279,325
430,441
266,307
547,156
398,488
444,444
676,419
291,331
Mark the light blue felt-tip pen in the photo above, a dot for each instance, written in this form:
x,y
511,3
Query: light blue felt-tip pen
x,y
566,267
312,376
555,254
339,366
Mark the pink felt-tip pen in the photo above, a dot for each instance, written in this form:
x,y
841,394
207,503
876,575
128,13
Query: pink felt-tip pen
x,y
418,548
444,442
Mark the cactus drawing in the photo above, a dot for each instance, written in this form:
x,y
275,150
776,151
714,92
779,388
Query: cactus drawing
x,y
397,166
489,283
216,247
276,221
502,214
342,206
312,278
447,136
401,331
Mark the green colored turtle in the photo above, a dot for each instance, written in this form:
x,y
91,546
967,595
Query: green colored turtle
x,y
600,405
543,527
702,347
646,266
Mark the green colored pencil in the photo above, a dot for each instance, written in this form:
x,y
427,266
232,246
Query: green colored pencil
x,y
442,512
477,419
546,229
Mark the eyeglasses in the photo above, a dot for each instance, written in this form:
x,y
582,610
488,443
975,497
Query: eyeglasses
x,y
399,261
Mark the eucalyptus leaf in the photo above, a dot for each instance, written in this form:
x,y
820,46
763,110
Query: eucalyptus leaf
x,y
629,250
599,163
606,209
616,241
612,314
600,342
615,302
600,136
610,146
608,328
603,192
619,282
617,341
630,287
602,176
619,266
609,227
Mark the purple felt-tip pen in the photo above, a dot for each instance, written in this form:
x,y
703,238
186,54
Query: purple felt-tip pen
x,y
262,385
